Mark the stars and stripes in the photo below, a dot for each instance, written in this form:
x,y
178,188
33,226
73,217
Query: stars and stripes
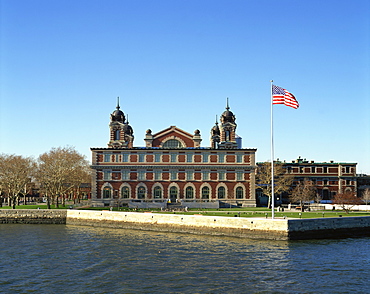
x,y
282,96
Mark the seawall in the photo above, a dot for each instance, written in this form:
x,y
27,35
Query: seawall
x,y
195,224
253,228
33,216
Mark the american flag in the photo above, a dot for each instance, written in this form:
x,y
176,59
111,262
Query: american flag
x,y
282,96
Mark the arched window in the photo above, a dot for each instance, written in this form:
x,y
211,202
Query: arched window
x,y
172,143
125,192
141,191
116,135
205,192
107,192
189,193
325,194
221,191
227,135
173,193
157,192
239,193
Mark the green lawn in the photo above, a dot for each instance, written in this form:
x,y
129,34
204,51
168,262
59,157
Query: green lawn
x,y
227,212
267,214
40,206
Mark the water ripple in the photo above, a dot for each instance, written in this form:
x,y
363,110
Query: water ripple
x,y
72,259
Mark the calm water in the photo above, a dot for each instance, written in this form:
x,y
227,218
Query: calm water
x,y
72,259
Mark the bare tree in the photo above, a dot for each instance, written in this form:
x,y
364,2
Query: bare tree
x,y
15,174
366,196
82,176
59,172
282,180
305,191
346,200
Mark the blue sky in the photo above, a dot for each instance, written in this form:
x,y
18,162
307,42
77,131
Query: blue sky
x,y
63,64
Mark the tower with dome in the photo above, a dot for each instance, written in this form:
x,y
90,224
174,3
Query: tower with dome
x,y
173,168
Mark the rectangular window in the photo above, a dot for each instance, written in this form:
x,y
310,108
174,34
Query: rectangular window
x,y
116,157
125,175
141,157
173,175
221,158
157,157
205,157
107,157
347,170
189,175
125,157
239,158
174,157
325,169
239,176
189,157
221,175
205,175
313,169
141,175
107,175
157,175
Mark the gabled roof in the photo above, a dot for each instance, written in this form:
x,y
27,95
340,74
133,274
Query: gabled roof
x,y
172,129
173,132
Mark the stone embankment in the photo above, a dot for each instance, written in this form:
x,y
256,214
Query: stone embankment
x,y
32,216
255,228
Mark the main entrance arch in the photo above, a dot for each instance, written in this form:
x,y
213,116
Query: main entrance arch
x,y
174,192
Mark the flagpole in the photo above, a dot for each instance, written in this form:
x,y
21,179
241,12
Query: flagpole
x,y
272,160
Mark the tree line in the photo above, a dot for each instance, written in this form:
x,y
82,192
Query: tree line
x,y
57,173
62,170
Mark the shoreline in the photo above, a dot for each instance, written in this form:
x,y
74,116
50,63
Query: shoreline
x,y
252,228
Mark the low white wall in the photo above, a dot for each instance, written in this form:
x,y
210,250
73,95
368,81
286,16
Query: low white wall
x,y
353,208
180,219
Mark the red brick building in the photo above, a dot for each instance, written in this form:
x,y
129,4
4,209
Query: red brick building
x,y
173,166
330,178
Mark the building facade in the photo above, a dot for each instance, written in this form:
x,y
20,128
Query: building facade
x,y
173,167
329,178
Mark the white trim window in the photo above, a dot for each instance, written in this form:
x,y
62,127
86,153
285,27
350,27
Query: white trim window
x,y
239,193
141,175
125,175
157,192
107,192
107,157
189,175
125,157
157,157
107,175
173,157
141,157
189,192
221,192
125,192
173,175
157,175
221,175
239,176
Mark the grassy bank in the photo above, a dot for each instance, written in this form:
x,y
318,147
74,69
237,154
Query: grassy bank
x,y
227,212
